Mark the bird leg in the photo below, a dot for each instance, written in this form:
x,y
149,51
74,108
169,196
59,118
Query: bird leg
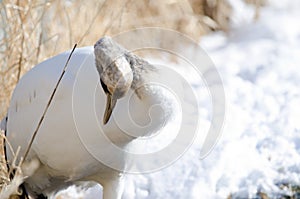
x,y
112,187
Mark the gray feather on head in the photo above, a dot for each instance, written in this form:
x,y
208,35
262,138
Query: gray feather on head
x,y
114,70
119,70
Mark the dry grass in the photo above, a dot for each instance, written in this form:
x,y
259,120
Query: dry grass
x,y
4,179
31,31
9,187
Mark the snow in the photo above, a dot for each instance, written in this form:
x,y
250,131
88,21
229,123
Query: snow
x,y
258,62
260,144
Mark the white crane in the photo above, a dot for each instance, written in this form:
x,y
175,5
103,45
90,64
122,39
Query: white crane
x,y
60,145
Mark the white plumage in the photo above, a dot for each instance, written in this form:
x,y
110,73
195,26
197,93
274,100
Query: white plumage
x,y
75,117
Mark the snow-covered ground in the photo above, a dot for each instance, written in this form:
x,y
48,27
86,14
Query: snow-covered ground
x,y
260,145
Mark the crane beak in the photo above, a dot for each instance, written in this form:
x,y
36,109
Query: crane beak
x,y
110,105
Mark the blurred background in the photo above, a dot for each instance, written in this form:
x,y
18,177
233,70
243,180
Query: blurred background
x,y
255,44
31,31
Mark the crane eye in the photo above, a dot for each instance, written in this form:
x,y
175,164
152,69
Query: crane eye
x,y
104,87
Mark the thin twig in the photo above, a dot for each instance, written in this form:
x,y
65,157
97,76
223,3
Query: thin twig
x,y
38,50
20,62
48,104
